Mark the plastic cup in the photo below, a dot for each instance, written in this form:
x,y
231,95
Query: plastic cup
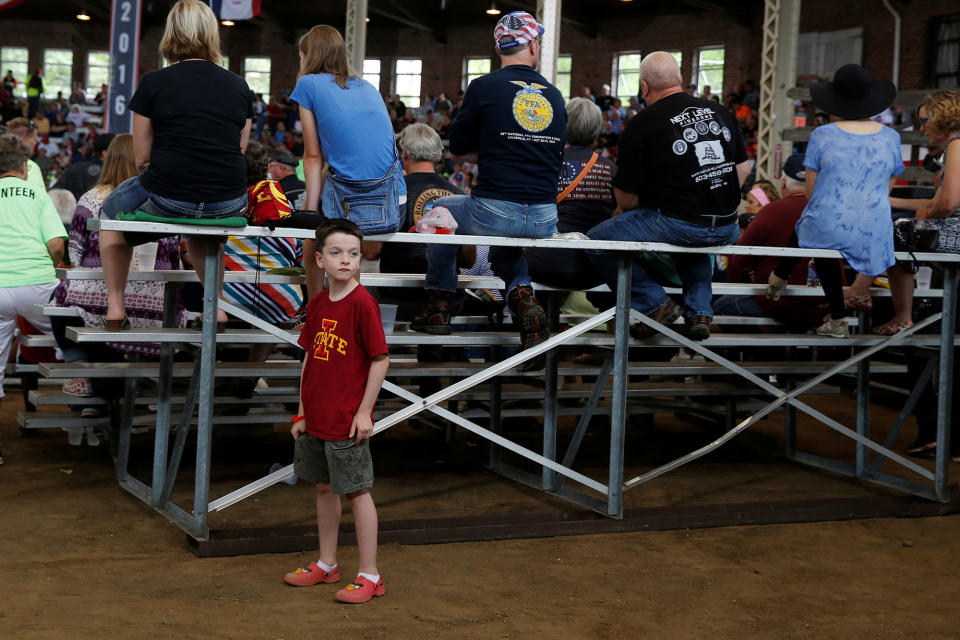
x,y
924,276
388,316
147,256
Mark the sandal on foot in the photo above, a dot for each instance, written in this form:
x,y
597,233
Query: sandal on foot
x,y
79,387
891,328
312,574
860,303
360,590
121,324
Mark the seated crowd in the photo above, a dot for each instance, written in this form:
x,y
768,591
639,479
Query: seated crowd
x,y
668,167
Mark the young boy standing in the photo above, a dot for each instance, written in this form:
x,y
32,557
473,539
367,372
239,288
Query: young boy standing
x,y
345,364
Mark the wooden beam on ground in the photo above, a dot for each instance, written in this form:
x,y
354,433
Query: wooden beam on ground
x,y
232,542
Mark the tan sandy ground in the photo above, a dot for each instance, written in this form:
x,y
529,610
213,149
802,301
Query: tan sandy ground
x,y
79,558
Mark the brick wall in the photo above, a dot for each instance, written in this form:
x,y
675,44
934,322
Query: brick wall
x,y
592,56
878,31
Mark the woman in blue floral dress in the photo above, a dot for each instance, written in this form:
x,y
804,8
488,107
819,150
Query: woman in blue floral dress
x,y
851,164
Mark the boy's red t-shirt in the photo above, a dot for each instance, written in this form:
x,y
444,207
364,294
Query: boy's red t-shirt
x,y
340,339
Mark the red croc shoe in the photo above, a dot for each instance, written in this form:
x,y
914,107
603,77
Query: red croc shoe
x,y
310,575
360,590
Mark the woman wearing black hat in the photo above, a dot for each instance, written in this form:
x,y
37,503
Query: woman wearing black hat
x,y
850,165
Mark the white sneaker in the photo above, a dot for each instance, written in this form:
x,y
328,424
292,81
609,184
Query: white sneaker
x,y
93,440
833,328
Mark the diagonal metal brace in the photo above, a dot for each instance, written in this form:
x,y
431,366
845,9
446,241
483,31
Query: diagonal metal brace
x,y
783,398
421,404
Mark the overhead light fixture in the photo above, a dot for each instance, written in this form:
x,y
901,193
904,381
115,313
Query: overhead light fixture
x,y
366,19
83,16
227,23
493,11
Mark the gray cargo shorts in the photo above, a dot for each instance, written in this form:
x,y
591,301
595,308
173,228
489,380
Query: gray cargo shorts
x,y
345,465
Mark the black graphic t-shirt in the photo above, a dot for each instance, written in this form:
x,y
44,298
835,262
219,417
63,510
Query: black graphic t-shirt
x,y
516,122
422,188
680,155
591,201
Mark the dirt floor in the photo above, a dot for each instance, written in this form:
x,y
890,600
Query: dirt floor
x,y
80,558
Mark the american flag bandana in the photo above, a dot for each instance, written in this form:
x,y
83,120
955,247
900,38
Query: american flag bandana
x,y
519,24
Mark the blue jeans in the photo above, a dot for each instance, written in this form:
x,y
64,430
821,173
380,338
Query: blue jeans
x,y
649,225
131,195
733,305
486,217
374,205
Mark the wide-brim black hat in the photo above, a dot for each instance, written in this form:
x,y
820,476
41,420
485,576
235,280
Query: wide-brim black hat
x,y
853,94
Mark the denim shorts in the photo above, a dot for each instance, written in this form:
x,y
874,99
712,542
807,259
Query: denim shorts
x,y
375,205
130,195
345,465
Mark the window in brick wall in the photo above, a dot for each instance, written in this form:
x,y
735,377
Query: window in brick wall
x,y
626,75
406,80
678,55
473,68
98,71
946,54
57,72
16,59
564,72
709,70
225,62
821,53
371,72
256,71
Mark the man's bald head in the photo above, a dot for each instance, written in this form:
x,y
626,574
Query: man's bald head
x,y
660,71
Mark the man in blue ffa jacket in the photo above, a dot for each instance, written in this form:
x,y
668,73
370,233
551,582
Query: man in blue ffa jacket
x,y
513,125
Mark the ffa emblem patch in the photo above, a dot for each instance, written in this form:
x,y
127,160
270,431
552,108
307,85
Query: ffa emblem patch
x,y
531,109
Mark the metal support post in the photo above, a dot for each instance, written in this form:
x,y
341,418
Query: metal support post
x,y
126,423
550,399
863,403
496,395
162,434
945,379
173,464
208,363
355,36
548,14
789,423
588,411
618,417
778,72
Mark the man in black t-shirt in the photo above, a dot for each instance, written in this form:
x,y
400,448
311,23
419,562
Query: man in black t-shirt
x,y
680,168
513,121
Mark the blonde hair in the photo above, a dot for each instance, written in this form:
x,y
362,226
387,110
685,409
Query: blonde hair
x,y
943,111
192,31
324,52
119,164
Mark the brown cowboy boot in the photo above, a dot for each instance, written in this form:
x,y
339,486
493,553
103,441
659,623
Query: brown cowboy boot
x,y
435,319
532,321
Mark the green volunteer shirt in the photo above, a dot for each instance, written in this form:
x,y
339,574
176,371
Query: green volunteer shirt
x,y
35,175
28,220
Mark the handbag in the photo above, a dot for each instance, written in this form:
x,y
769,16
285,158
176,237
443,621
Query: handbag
x,y
373,204
946,231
